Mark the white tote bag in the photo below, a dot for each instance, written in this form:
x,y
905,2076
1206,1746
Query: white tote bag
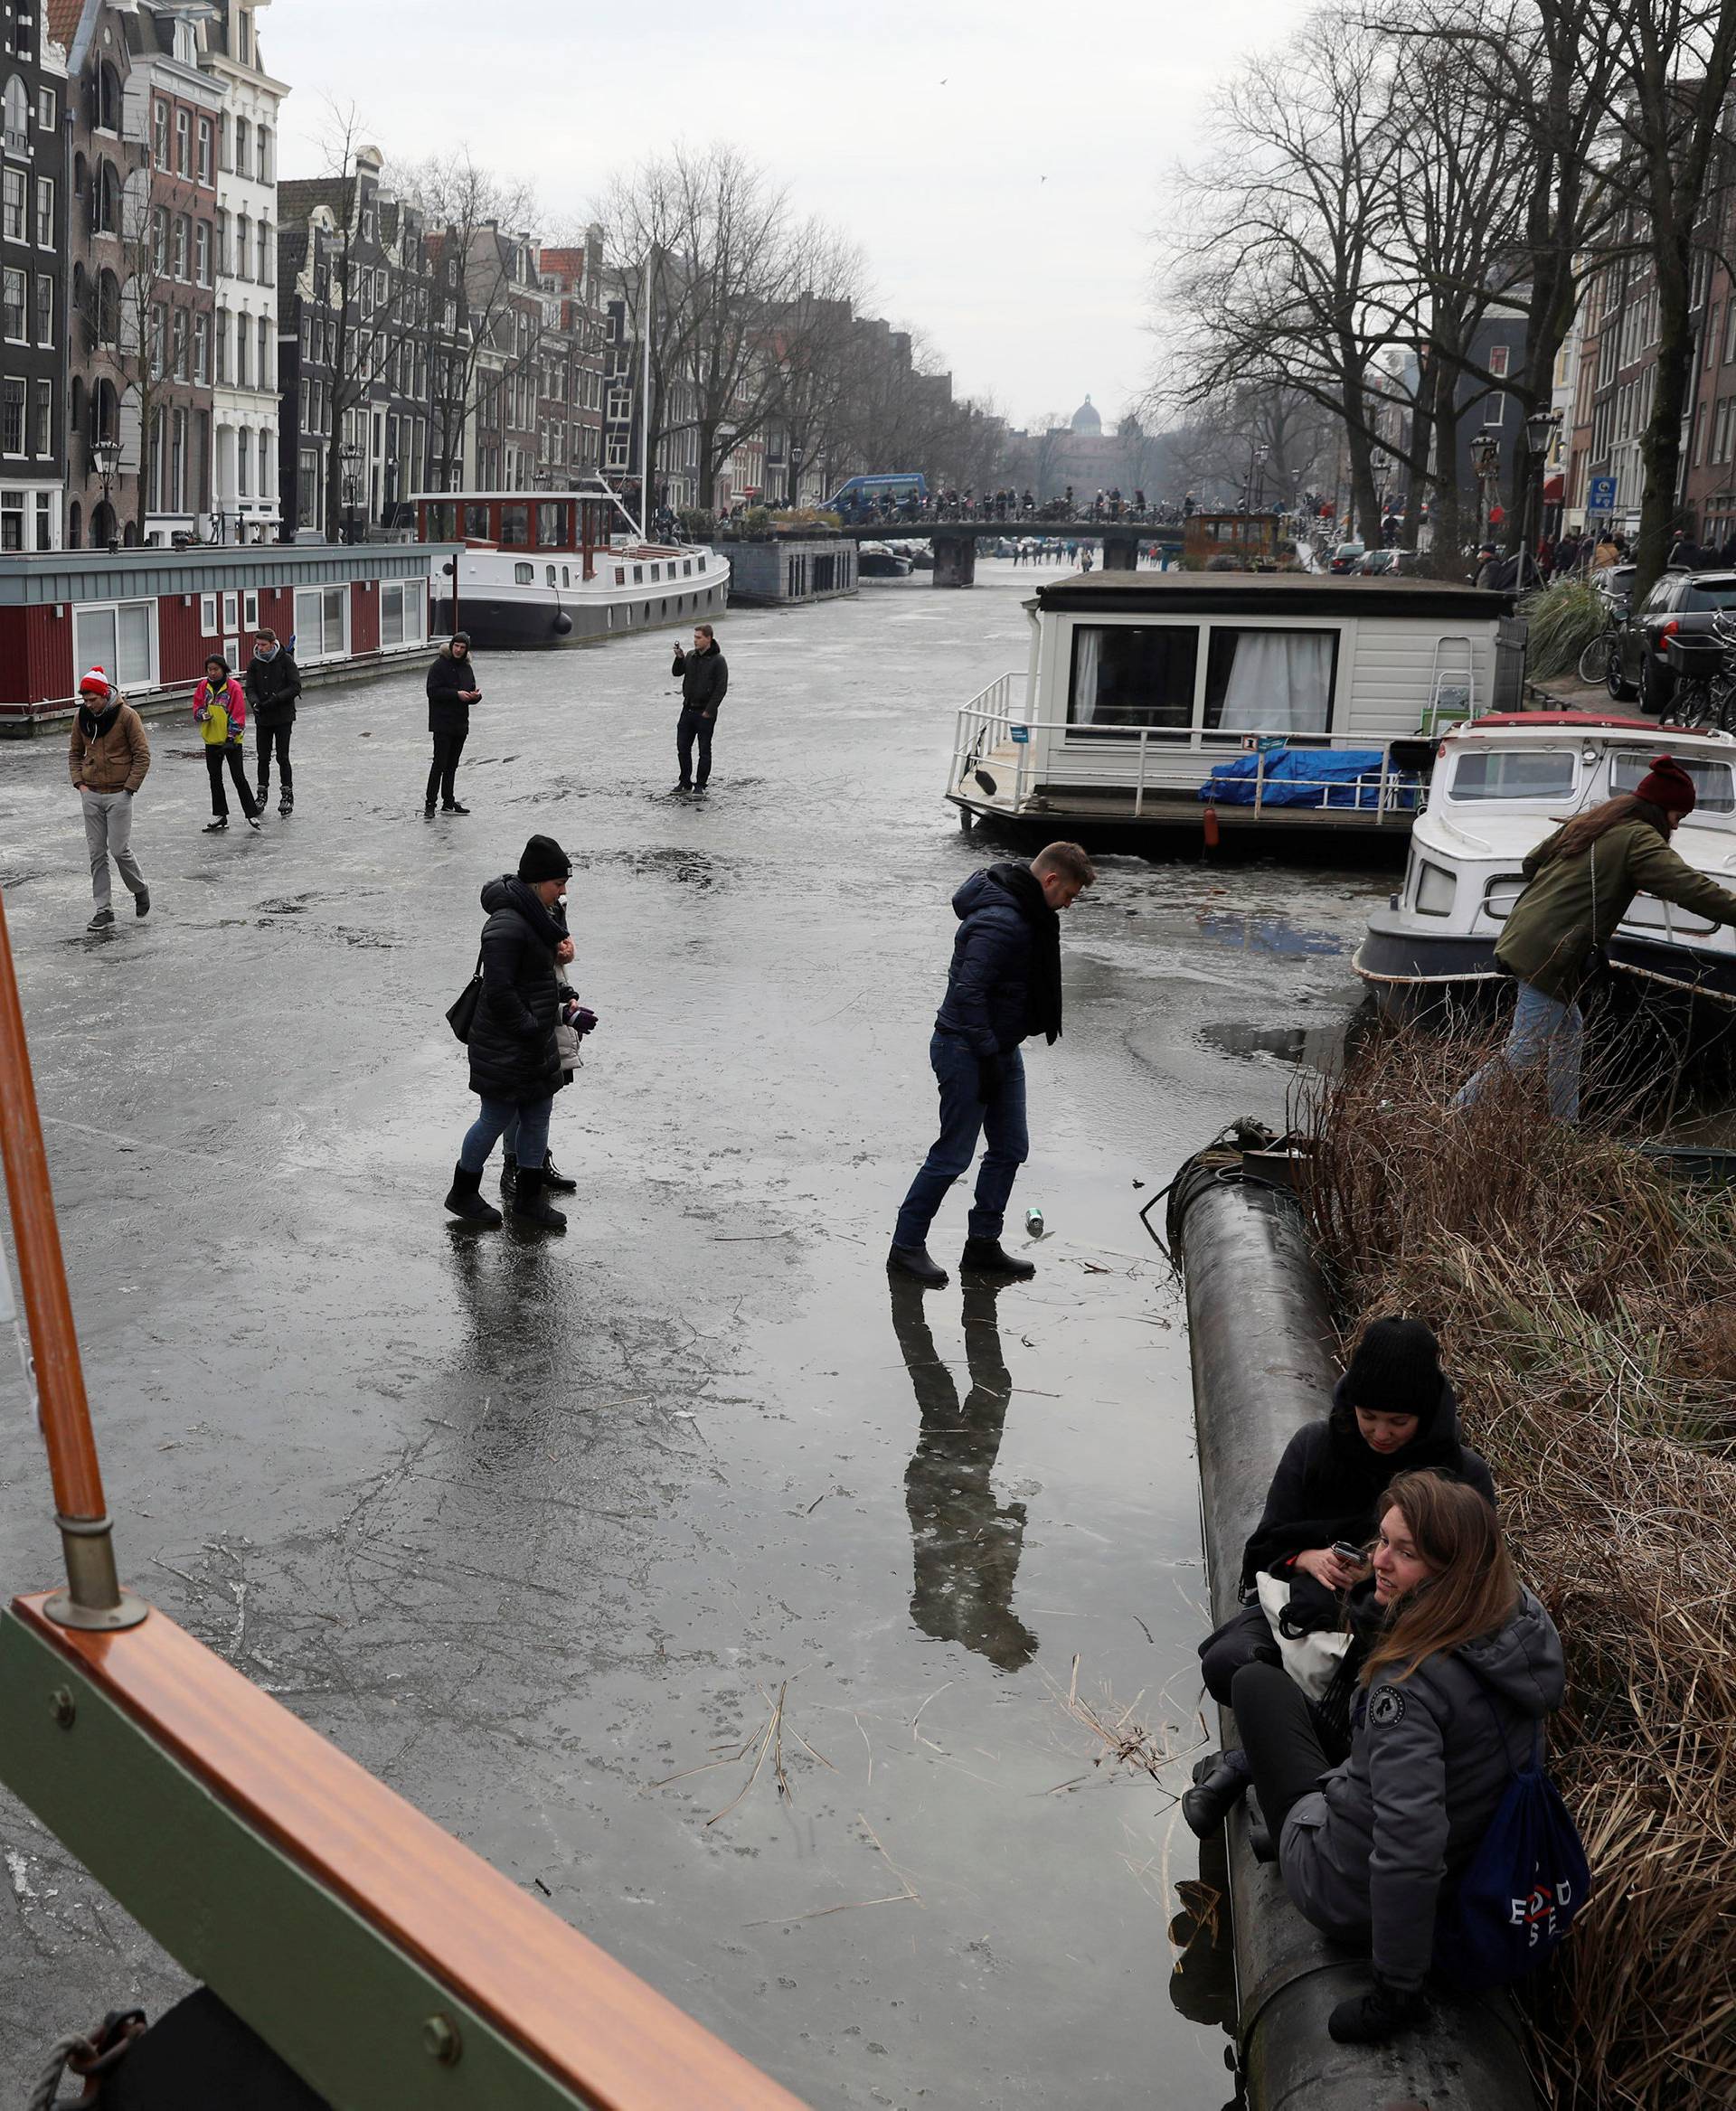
x,y
1309,1659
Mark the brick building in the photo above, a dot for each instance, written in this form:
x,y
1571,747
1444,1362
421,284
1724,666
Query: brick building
x,y
33,230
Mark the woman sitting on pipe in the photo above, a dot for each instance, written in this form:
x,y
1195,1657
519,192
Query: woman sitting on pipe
x,y
1392,1412
1466,1664
1580,883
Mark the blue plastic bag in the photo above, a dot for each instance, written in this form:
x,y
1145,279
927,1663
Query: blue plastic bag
x,y
1526,1883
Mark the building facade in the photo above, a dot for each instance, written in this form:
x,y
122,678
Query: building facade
x,y
33,238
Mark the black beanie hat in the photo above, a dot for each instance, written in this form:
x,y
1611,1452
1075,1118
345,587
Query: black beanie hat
x,y
543,859
1396,1370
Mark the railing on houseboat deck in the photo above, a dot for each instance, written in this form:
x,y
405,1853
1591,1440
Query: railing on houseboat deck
x,y
1164,761
387,1964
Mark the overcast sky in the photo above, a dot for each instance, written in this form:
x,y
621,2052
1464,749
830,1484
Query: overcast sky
x,y
1001,165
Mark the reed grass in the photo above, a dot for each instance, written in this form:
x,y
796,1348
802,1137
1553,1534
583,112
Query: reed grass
x,y
1586,1304
1562,619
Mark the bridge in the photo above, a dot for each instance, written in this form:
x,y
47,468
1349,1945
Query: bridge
x,y
954,543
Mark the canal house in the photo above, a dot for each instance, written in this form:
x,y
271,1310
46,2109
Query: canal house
x,y
1283,700
149,617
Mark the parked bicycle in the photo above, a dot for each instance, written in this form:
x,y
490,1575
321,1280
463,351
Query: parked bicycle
x,y
1704,697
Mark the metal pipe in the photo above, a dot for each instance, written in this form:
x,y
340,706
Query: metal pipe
x,y
93,1597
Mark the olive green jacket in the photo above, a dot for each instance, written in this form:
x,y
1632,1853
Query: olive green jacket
x,y
1573,905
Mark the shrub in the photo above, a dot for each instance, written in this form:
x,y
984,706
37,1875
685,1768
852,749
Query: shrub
x,y
696,526
1564,618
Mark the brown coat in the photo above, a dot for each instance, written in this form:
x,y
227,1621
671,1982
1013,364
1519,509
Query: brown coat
x,y
117,759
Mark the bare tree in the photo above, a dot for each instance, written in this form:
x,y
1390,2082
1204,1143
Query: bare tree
x,y
808,343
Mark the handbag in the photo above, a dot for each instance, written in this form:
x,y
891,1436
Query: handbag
x,y
1310,1659
461,1015
1526,1883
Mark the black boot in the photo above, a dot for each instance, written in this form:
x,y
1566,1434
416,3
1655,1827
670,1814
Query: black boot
x,y
988,1256
555,1181
916,1260
508,1175
1219,1781
464,1201
530,1205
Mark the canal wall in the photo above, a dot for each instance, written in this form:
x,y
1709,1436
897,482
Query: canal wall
x,y
1263,1365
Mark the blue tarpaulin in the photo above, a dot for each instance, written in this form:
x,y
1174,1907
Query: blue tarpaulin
x,y
1309,777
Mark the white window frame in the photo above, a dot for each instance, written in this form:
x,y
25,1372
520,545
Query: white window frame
x,y
207,615
84,612
250,609
230,619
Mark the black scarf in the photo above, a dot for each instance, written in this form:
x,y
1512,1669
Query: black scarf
x,y
94,725
1043,1005
546,924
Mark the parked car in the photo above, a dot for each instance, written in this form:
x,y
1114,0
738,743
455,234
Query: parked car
x,y
1681,604
1346,557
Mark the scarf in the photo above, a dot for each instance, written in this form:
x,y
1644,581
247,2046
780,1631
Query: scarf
x,y
1042,1013
94,725
549,927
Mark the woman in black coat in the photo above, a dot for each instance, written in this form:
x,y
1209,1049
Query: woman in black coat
x,y
1392,1412
451,691
515,1063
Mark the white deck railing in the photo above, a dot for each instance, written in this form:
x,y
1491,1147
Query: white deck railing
x,y
995,724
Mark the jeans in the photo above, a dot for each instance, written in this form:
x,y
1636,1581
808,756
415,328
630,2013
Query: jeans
x,y
107,833
1544,1030
228,754
964,1116
692,725
280,736
448,748
528,1117
1280,1737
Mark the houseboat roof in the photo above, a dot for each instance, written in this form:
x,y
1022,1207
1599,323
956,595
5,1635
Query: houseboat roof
x,y
1298,593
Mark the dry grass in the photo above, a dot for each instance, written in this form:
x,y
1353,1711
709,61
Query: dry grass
x,y
1587,1307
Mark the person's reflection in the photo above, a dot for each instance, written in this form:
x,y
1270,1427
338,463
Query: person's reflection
x,y
966,1546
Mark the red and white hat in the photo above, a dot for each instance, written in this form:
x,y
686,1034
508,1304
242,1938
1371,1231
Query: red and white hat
x,y
95,683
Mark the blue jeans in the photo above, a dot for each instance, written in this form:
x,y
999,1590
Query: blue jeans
x,y
497,1116
964,1117
1544,1030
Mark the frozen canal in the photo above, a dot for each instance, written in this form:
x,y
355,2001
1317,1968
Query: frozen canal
x,y
537,1530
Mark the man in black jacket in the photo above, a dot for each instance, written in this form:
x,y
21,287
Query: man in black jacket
x,y
514,1062
704,677
273,683
451,691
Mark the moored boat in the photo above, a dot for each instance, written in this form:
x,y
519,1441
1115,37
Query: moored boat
x,y
1499,787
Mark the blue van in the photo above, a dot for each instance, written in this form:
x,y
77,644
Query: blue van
x,y
862,494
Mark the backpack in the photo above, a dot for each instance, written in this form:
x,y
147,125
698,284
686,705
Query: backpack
x,y
1525,1884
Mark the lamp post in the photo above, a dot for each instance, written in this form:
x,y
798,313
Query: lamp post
x,y
1486,461
1380,466
350,454
106,455
1540,431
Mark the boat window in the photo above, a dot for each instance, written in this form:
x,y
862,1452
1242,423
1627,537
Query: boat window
x,y
638,575
656,573
548,573
475,522
442,518
1269,681
1714,783
1128,675
1514,773
566,575
620,575
1436,888
525,575
552,524
515,526
1502,893
687,562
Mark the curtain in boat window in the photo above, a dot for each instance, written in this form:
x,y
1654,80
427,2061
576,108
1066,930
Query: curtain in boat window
x,y
1081,705
1270,681
1128,675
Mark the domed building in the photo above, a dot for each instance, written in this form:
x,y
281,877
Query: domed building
x,y
1086,419
1088,458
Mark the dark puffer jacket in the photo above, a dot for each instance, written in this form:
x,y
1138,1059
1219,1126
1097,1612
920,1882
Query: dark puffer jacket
x,y
989,986
272,687
1365,1855
512,1052
447,712
704,677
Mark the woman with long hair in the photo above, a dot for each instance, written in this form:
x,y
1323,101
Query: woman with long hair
x,y
1580,883
1463,1665
220,708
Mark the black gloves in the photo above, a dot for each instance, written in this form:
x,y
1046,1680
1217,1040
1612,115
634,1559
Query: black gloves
x,y
1368,2018
988,1078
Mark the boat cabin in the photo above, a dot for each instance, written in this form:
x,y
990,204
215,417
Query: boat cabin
x,y
1288,699
563,521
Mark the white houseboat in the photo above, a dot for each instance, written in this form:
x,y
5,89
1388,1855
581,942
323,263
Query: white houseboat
x,y
1284,699
1499,787
547,568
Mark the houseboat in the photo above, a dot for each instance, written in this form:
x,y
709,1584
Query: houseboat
x,y
1284,700
1499,787
149,617
549,568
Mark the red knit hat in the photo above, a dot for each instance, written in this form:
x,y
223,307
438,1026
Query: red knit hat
x,y
1667,785
95,683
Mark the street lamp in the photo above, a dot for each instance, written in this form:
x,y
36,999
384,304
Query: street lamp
x,y
350,454
106,455
1540,431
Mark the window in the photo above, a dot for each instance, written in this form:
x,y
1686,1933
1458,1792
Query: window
x,y
182,246
264,486
160,135
11,520
322,623
250,611
243,465
243,342
44,308
514,527
401,613
47,109
1708,594
1515,773
1127,676
120,636
1494,408
207,615
268,255
13,206
12,318
159,339
242,155
223,349
232,611
1270,681
44,212
243,246
1714,782
262,371
42,420
202,253
183,143
1436,888
201,348
204,150
262,156
524,575
17,114
159,240
183,369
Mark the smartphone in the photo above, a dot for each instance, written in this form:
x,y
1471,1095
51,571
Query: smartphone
x,y
1355,1555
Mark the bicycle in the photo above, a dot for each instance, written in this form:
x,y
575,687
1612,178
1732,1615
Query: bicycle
x,y
1600,663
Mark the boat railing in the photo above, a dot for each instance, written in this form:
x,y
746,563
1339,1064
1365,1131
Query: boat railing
x,y
1162,759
